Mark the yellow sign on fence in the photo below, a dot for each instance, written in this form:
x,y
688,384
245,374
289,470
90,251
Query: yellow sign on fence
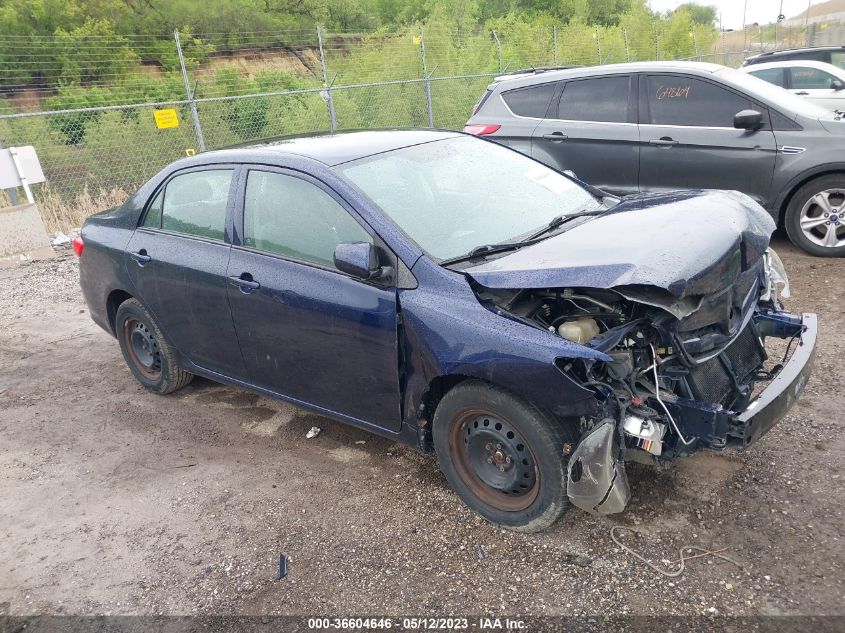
x,y
166,118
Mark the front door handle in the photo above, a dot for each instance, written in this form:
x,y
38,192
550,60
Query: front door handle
x,y
664,141
555,136
803,93
244,282
140,257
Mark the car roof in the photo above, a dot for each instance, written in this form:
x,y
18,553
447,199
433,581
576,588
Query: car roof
x,y
527,79
334,149
792,51
791,63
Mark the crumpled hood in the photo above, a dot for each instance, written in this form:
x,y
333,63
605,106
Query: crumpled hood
x,y
687,243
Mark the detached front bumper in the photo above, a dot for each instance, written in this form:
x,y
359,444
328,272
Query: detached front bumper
x,y
770,405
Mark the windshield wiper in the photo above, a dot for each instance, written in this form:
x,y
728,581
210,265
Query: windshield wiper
x,y
486,249
559,221
533,238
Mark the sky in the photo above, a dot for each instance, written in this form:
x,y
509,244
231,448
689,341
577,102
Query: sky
x,y
763,11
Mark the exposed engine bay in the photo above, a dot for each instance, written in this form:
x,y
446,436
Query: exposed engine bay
x,y
677,375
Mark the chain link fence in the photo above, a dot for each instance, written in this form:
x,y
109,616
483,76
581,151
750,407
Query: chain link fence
x,y
91,112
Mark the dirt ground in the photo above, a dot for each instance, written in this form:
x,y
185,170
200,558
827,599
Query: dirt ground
x,y
118,501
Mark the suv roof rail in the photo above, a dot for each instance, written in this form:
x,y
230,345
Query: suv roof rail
x,y
533,70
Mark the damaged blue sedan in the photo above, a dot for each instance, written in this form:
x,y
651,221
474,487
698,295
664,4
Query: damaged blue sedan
x,y
450,293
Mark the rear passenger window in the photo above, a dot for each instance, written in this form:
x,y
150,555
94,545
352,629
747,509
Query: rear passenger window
x,y
772,75
295,218
531,102
601,99
195,203
678,100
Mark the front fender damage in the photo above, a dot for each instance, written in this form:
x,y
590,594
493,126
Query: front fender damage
x,y
596,479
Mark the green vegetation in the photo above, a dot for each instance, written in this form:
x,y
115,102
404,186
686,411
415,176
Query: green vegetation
x,y
81,54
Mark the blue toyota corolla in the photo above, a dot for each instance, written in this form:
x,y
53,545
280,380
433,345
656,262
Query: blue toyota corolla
x,y
453,294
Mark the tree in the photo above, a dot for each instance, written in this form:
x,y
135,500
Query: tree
x,y
699,14
92,51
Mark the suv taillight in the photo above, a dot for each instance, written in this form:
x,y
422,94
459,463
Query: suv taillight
x,y
481,129
78,245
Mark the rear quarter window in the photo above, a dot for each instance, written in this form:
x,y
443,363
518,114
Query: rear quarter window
x,y
532,101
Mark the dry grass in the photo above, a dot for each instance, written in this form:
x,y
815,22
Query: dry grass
x,y
62,215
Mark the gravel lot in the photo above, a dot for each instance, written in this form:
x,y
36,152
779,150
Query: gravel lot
x,y
117,501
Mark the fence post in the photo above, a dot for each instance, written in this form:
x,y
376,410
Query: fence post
x,y
627,48
329,100
427,80
656,41
499,49
695,44
598,44
195,117
554,44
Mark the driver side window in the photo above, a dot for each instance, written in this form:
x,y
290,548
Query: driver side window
x,y
806,78
288,216
686,101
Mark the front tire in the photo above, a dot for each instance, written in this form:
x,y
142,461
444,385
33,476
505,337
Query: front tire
x,y
815,217
148,355
503,457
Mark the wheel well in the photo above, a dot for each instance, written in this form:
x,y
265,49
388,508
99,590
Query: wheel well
x,y
438,388
442,385
113,303
788,199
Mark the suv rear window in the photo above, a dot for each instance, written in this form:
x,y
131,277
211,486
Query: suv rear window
x,y
531,102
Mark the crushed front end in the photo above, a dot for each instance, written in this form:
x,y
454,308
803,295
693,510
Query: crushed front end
x,y
715,370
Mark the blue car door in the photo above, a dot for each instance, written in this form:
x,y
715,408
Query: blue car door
x,y
177,260
306,330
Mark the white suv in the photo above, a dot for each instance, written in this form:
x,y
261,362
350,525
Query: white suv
x,y
821,83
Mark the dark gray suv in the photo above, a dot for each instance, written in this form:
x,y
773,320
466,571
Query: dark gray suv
x,y
657,126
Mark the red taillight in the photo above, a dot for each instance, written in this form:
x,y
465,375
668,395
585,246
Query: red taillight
x,y
481,129
78,245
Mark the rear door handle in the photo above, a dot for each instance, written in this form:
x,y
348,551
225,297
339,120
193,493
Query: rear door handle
x,y
140,257
555,136
803,93
245,282
664,142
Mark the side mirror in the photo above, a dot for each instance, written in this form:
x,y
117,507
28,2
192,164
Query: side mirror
x,y
836,84
359,259
748,120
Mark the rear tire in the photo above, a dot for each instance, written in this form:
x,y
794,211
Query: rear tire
x,y
148,355
503,457
806,223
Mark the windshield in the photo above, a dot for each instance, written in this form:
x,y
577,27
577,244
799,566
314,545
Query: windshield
x,y
775,94
456,194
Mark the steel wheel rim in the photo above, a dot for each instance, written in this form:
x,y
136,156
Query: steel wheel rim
x,y
822,218
494,460
142,347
